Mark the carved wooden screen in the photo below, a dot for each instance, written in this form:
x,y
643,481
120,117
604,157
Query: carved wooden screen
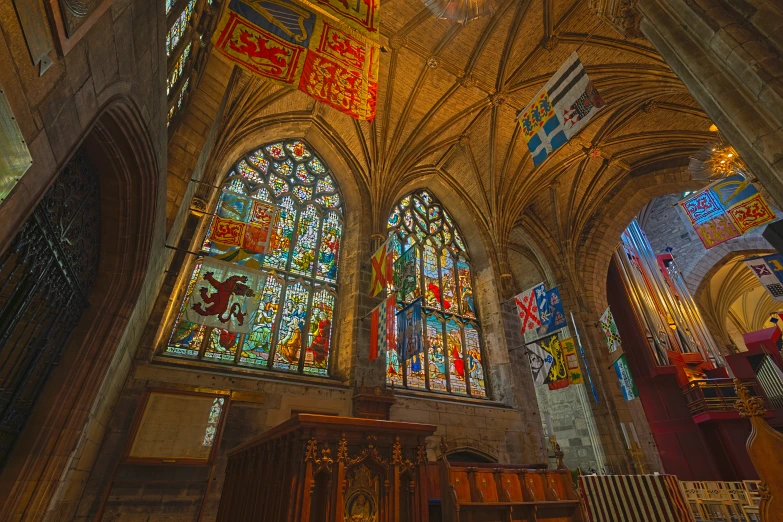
x,y
296,308
45,277
452,333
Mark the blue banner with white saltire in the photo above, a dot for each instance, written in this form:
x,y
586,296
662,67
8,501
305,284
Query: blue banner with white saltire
x,y
410,331
559,110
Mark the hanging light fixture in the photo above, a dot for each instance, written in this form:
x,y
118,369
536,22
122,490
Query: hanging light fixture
x,y
460,11
717,160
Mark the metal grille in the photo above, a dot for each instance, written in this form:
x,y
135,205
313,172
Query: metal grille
x,y
45,277
769,376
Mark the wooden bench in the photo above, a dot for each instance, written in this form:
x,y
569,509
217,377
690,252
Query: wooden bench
x,y
472,492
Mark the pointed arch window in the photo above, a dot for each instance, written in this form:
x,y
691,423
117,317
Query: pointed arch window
x,y
293,326
453,361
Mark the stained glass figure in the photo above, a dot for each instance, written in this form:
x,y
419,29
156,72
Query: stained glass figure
x,y
436,350
442,275
212,421
293,327
475,368
456,359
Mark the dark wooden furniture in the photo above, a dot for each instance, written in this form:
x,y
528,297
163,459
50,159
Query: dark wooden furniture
x,y
472,492
316,468
373,403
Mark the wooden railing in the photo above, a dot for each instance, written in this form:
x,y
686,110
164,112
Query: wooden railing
x,y
715,395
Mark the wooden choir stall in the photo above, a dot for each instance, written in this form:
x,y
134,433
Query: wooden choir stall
x,y
316,468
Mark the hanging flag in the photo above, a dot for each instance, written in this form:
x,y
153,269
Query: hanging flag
x,y
382,328
382,269
410,331
559,110
627,384
548,363
315,48
610,330
726,209
571,361
241,222
225,296
406,279
769,271
550,311
527,307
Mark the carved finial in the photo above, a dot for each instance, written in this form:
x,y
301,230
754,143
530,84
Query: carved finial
x,y
747,405
397,451
443,446
559,455
312,449
342,449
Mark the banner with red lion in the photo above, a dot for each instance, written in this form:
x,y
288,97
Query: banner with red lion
x,y
225,296
327,49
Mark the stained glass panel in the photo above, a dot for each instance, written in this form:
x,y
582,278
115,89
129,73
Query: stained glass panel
x,y
179,27
447,286
437,355
318,342
330,247
305,244
222,346
415,370
466,305
178,68
431,280
306,241
456,361
258,344
283,235
186,337
475,367
292,327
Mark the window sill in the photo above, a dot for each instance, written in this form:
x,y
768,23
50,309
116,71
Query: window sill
x,y
248,373
430,396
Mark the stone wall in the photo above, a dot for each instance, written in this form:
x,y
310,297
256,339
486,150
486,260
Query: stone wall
x,y
666,226
113,74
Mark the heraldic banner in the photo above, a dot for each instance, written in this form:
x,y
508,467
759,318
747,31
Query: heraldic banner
x,y
410,331
627,384
241,223
225,296
572,361
547,362
769,271
726,209
527,307
606,322
550,311
382,328
559,110
406,279
327,49
382,269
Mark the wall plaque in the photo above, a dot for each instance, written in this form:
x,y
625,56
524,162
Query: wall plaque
x,y
15,158
33,22
75,13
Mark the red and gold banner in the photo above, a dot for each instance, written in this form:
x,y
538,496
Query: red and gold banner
x,y
329,50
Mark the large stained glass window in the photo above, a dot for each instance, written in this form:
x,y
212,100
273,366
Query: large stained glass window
x,y
452,334
293,326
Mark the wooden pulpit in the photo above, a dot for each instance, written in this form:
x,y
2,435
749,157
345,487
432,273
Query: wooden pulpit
x,y
316,468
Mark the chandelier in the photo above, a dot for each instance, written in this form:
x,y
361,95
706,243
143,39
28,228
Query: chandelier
x,y
460,11
715,161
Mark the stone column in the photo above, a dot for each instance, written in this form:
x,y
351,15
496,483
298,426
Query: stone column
x,y
728,55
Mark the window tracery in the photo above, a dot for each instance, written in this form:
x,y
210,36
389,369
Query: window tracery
x,y
453,361
296,308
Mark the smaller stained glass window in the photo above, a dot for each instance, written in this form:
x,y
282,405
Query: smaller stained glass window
x,y
452,336
179,27
174,108
178,68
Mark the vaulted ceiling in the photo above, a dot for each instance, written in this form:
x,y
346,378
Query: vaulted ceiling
x,y
447,103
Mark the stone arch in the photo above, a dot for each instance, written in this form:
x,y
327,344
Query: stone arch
x,y
617,209
94,366
355,244
719,255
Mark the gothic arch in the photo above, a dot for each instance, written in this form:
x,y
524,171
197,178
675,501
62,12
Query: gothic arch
x,y
719,255
93,366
